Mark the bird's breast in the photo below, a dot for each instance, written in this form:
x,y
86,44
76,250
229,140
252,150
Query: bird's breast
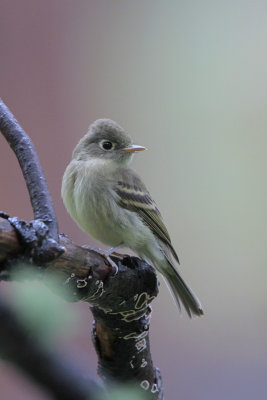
x,y
94,207
88,194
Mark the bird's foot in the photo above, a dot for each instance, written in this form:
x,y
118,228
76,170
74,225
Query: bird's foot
x,y
107,254
114,266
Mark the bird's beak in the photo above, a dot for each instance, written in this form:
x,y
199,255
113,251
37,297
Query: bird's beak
x,y
133,148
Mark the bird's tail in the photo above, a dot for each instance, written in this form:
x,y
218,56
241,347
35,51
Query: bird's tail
x,y
181,291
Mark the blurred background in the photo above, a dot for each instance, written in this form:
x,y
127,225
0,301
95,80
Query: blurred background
x,y
187,79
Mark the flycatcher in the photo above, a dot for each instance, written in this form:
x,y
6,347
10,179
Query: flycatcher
x,y
109,201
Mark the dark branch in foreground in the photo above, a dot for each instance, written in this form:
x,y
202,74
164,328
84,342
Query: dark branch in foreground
x,y
120,304
33,174
48,370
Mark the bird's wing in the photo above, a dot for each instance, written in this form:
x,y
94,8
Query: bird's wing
x,y
134,196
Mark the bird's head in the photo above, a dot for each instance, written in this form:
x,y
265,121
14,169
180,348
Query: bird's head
x,y
106,140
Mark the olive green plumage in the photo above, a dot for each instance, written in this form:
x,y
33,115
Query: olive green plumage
x,y
109,201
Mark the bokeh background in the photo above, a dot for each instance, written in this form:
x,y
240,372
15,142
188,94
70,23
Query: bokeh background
x,y
187,79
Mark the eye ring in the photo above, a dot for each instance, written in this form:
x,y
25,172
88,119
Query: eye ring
x,y
106,145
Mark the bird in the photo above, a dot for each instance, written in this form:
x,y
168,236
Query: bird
x,y
110,202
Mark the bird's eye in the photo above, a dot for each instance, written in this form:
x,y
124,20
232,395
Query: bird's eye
x,y
106,145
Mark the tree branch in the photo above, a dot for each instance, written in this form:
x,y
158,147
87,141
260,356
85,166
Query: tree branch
x,y
119,303
33,174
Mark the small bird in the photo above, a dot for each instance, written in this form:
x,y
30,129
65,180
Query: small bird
x,y
109,201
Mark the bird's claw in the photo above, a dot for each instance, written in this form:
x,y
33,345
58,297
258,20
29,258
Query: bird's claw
x,y
106,254
114,266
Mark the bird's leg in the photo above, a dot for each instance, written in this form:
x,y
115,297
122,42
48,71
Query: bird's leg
x,y
112,250
106,254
